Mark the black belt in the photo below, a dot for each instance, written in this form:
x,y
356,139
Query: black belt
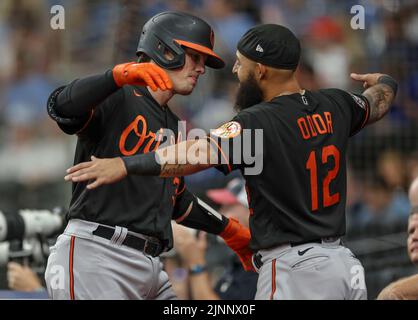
x,y
151,247
257,260
295,244
257,257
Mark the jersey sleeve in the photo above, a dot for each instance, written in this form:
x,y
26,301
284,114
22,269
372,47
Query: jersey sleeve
x,y
235,143
70,125
356,106
96,126
90,125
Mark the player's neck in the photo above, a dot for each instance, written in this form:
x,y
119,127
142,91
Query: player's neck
x,y
289,87
162,97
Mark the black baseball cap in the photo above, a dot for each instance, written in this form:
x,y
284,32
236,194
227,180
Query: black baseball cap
x,y
272,45
171,31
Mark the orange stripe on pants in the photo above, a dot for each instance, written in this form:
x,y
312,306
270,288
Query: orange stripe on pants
x,y
71,268
273,278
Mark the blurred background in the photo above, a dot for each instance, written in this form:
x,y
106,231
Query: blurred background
x,y
383,158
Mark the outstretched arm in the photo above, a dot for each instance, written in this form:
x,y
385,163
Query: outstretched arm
x,y
185,158
82,95
225,148
380,92
182,159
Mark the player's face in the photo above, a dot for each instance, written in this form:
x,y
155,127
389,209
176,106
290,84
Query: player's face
x,y
413,238
243,67
185,79
249,92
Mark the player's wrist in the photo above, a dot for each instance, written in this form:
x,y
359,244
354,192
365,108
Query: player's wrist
x,y
110,81
231,227
145,164
197,269
389,81
123,166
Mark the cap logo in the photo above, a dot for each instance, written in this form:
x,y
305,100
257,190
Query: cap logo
x,y
259,48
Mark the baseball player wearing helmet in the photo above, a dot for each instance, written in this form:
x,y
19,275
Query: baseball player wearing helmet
x,y
110,248
297,201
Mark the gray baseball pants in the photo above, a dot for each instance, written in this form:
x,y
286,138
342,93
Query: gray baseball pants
x,y
84,266
314,271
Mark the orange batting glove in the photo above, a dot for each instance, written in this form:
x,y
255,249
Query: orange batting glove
x,y
142,74
238,237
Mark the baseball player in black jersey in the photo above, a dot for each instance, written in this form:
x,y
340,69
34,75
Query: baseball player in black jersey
x,y
295,174
110,248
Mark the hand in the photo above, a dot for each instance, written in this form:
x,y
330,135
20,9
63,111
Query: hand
x,y
369,79
238,237
101,171
142,74
22,278
192,250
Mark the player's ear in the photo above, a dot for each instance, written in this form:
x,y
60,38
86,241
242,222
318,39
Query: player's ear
x,y
260,71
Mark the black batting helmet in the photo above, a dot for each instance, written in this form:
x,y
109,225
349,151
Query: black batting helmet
x,y
172,30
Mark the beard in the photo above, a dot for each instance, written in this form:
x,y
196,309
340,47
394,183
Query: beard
x,y
249,94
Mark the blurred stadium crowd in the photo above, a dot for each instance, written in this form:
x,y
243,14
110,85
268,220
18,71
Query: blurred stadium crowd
x,y
383,159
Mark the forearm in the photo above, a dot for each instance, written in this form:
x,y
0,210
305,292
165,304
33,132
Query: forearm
x,y
192,212
380,97
185,158
82,95
179,170
182,159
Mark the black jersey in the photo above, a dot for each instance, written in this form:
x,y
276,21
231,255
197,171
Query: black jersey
x,y
300,194
128,122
